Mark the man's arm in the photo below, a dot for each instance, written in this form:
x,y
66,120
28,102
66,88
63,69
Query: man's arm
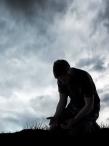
x,y
87,108
88,89
61,104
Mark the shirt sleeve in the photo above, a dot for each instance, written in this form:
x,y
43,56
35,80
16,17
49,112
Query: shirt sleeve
x,y
62,88
88,86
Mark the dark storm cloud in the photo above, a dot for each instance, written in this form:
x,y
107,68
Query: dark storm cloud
x,y
24,6
21,4
37,7
97,63
35,14
33,18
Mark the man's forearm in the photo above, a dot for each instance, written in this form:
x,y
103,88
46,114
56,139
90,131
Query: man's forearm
x,y
82,113
59,110
88,107
61,105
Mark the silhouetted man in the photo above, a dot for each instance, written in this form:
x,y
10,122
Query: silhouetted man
x,y
81,113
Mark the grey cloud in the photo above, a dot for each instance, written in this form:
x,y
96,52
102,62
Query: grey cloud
x,y
103,15
21,56
102,18
23,49
22,74
100,91
18,121
107,120
3,24
27,119
45,104
96,63
28,116
106,12
106,98
99,66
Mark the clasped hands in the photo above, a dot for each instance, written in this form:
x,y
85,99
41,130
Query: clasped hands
x,y
68,124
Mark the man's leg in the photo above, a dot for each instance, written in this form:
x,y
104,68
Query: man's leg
x,y
67,114
83,128
56,122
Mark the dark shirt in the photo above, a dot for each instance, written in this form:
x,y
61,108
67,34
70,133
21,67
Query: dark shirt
x,y
79,86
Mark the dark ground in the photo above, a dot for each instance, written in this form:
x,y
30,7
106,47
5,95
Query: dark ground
x,y
33,136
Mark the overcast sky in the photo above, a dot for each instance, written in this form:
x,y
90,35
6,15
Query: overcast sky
x,y
33,34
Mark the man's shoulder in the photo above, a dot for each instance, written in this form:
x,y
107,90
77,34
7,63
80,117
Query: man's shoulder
x,y
78,71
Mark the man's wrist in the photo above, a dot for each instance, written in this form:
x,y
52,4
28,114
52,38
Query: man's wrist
x,y
77,118
55,118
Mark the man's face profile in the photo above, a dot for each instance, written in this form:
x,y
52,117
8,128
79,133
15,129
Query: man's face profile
x,y
64,78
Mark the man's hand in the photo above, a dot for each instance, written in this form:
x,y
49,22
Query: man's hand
x,y
53,123
69,124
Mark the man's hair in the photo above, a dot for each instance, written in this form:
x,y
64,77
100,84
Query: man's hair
x,y
60,67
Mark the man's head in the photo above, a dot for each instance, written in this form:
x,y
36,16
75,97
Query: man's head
x,y
61,69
